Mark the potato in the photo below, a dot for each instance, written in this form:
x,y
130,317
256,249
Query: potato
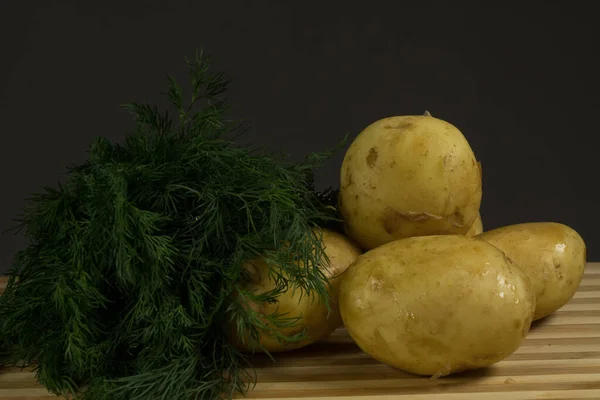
x,y
552,255
408,176
436,305
315,318
477,226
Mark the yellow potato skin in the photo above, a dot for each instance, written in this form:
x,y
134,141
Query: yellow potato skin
x,y
477,226
552,255
316,319
436,305
408,176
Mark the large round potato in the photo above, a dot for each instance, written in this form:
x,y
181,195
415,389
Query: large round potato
x,y
408,176
552,255
477,226
436,305
315,318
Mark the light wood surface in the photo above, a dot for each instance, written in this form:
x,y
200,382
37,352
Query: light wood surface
x,y
560,359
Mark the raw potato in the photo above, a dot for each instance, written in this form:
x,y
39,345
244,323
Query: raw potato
x,y
552,255
436,305
318,322
408,176
477,226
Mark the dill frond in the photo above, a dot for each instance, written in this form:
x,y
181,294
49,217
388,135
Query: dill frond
x,y
126,283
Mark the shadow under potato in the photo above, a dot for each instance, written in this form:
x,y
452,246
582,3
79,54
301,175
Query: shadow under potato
x,y
345,361
536,324
340,352
326,350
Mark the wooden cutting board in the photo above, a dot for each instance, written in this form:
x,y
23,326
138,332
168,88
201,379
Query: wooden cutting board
x,y
560,359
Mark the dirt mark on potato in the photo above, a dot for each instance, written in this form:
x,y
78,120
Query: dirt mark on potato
x,y
400,125
448,160
372,157
517,324
394,219
557,269
457,219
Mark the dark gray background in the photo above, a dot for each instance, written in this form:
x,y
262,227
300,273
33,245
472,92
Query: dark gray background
x,y
519,79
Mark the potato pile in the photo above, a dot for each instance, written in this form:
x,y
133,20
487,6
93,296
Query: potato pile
x,y
432,294
419,284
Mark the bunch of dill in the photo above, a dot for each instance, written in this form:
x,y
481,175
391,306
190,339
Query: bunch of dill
x,y
126,283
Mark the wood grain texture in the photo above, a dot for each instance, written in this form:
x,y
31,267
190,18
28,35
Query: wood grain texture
x,y
560,359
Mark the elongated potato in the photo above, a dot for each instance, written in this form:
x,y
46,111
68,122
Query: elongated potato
x,y
315,318
408,176
436,305
477,226
552,255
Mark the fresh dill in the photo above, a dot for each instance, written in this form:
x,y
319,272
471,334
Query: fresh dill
x,y
127,281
